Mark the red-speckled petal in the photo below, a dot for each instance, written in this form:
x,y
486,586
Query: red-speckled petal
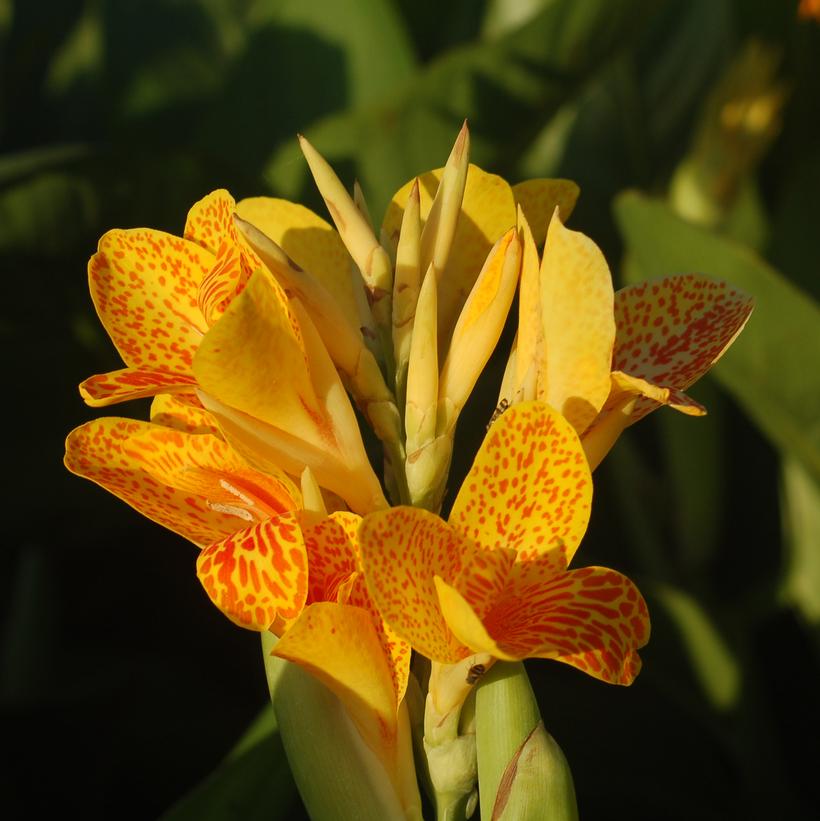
x,y
144,284
594,619
221,284
332,556
173,412
176,479
258,574
579,328
402,550
133,383
338,644
210,224
529,488
335,575
672,330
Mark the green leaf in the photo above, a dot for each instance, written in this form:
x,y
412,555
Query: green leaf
x,y
253,783
765,369
710,657
801,506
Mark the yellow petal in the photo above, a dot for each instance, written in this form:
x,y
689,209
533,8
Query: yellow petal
x,y
267,447
210,225
529,348
254,360
480,324
176,479
402,549
338,644
488,210
258,574
309,241
671,331
221,283
540,197
579,326
145,284
172,412
529,488
465,623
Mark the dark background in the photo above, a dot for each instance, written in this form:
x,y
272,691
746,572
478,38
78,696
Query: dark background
x,y
121,687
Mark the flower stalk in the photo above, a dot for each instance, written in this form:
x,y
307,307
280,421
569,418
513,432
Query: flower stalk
x,y
522,771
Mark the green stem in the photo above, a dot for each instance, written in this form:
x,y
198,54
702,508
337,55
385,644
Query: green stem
x,y
522,772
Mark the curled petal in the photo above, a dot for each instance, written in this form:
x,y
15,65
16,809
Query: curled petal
x,y
671,331
105,389
259,574
174,478
309,241
593,619
529,488
338,644
144,284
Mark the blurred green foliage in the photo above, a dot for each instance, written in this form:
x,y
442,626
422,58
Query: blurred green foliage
x,y
120,686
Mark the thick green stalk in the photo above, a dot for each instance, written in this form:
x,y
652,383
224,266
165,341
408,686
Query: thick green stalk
x,y
338,776
522,773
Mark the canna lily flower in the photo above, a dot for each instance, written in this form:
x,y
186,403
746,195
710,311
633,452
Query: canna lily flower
x,y
493,579
605,359
200,317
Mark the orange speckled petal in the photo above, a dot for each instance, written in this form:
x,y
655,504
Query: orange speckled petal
x,y
171,412
103,452
313,244
539,198
332,555
144,284
672,330
402,549
210,224
253,360
488,210
221,284
529,488
579,328
132,383
335,575
257,574
594,619
338,644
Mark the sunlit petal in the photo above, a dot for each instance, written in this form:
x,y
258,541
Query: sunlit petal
x,y
258,574
579,329
529,488
171,477
672,330
144,284
402,549
105,389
